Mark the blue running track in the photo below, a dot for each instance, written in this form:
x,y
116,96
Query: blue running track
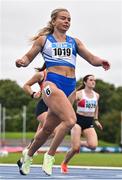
x,y
10,171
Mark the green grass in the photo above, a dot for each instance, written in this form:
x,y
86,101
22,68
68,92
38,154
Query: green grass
x,y
82,159
106,144
30,135
18,135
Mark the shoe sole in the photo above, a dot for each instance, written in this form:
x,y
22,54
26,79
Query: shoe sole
x,y
19,163
64,172
46,172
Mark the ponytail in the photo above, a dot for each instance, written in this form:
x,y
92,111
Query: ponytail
x,y
49,29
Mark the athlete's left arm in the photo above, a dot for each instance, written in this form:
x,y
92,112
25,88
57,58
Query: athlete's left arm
x,y
91,58
97,123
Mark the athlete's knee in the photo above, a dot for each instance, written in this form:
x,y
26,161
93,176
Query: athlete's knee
x,y
71,122
92,146
76,149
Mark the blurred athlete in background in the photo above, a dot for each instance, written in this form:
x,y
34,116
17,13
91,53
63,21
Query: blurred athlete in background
x,y
87,113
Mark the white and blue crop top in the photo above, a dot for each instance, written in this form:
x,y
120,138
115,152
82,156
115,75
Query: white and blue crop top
x,y
59,53
87,104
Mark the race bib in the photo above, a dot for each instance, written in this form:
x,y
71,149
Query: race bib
x,y
47,90
62,50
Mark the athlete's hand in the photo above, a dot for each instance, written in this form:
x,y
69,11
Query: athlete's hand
x,y
23,62
20,63
37,95
99,125
105,65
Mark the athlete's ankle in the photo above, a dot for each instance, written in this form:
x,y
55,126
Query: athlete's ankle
x,y
64,163
30,154
50,153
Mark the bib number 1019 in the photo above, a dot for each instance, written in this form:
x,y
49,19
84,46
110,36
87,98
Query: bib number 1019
x,y
62,52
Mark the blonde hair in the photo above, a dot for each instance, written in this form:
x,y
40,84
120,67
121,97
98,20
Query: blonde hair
x,y
49,29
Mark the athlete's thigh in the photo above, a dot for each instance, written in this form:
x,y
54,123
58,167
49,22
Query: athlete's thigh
x,y
57,101
75,135
90,134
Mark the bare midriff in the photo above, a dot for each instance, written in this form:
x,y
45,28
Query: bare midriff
x,y
63,70
87,114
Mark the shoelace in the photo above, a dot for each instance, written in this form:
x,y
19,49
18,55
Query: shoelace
x,y
28,163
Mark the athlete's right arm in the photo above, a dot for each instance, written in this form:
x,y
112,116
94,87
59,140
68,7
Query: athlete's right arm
x,y
31,54
35,79
72,97
78,95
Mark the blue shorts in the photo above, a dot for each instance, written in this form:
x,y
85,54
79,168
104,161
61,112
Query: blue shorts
x,y
66,84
